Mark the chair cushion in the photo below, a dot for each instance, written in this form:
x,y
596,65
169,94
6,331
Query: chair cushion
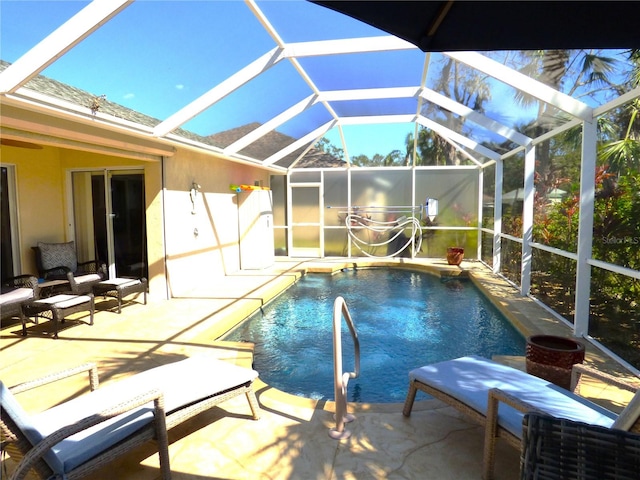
x,y
182,384
54,255
16,295
469,380
88,278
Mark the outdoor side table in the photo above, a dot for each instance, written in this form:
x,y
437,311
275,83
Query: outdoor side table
x,y
48,288
60,306
120,288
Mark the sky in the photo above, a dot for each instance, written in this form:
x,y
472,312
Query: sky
x,y
157,56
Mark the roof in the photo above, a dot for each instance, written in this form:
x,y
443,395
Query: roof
x,y
264,81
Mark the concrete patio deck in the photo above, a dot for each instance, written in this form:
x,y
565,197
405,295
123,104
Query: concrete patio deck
x,y
291,439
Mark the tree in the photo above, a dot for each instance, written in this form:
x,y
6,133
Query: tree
x,y
622,151
464,85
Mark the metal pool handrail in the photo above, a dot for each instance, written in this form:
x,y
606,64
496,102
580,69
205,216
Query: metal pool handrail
x,y
340,378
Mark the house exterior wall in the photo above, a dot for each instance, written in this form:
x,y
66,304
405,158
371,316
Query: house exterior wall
x,y
42,200
39,196
185,251
202,237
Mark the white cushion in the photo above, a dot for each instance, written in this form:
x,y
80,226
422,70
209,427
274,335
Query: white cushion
x,y
88,278
64,300
16,295
469,380
118,282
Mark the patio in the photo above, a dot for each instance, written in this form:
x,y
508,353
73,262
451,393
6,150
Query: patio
x,y
290,440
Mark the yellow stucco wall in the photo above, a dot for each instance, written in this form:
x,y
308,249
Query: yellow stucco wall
x,y
40,198
41,190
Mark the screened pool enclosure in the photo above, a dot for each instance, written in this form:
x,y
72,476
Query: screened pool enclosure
x,y
532,157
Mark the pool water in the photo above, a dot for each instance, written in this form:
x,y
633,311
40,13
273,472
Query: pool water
x,y
405,319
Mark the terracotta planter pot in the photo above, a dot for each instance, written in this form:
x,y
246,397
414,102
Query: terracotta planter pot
x,y
552,358
455,255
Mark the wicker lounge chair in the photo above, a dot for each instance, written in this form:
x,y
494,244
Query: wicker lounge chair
x,y
557,449
76,437
475,386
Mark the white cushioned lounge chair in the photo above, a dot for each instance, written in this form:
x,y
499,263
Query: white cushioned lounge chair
x,y
498,396
76,437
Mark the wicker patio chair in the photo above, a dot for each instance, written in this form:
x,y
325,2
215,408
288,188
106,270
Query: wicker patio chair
x,y
560,449
16,293
58,261
78,436
476,386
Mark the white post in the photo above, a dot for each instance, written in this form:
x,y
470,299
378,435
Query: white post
x,y
527,219
585,228
480,209
497,216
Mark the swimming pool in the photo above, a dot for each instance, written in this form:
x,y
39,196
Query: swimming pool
x,y
404,319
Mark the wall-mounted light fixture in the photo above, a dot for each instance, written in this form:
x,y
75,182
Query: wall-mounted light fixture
x,y
193,193
431,208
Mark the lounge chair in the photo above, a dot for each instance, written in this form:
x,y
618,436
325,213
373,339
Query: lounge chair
x,y
17,292
476,386
76,437
557,449
59,261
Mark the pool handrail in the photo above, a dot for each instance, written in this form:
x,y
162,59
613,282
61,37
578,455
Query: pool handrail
x,y
340,378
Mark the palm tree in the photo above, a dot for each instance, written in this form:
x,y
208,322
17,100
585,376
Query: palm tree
x,y
623,154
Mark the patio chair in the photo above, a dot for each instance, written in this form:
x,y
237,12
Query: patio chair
x,y
59,261
17,292
476,386
557,449
78,436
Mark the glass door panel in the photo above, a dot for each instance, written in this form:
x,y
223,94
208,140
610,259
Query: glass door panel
x,y
7,233
110,223
306,208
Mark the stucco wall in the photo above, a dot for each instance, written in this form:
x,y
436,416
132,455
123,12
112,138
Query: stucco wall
x,y
41,190
202,237
40,198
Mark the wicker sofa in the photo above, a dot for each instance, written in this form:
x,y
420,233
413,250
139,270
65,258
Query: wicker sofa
x,y
74,438
497,397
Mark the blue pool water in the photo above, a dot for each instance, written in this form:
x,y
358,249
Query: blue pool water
x,y
404,319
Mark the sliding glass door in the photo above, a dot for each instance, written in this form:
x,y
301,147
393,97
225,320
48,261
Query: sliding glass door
x,y
110,220
7,229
